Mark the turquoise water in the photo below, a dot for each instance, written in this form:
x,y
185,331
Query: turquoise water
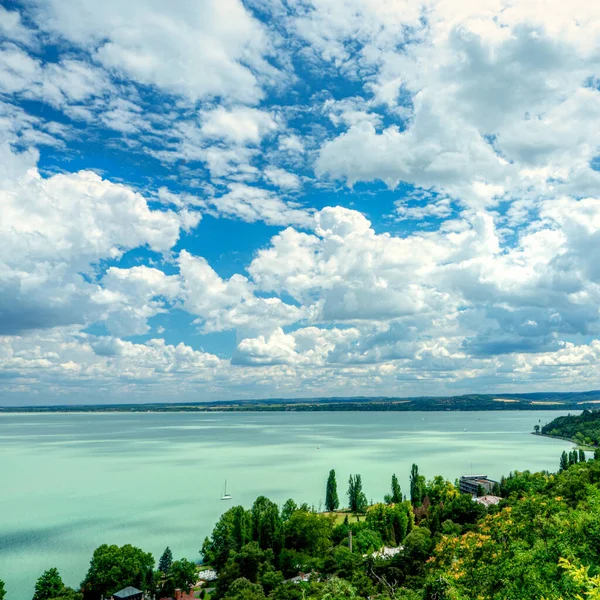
x,y
70,482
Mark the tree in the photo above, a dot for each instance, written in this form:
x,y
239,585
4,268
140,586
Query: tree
x,y
332,501
114,567
232,531
581,455
356,496
266,524
536,428
396,490
2,590
242,589
287,509
49,585
564,461
182,575
417,486
166,560
597,454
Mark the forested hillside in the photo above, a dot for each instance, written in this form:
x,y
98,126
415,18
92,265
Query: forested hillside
x,y
583,428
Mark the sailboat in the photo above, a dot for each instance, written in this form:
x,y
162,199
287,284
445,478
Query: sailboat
x,y
225,495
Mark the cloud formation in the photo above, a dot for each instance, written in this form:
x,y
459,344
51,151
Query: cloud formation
x,y
251,199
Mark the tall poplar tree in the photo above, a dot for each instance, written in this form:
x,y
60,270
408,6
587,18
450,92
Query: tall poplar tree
x,y
581,455
356,496
2,590
417,486
396,490
332,501
564,461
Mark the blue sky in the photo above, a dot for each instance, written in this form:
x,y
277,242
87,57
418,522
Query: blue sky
x,y
270,198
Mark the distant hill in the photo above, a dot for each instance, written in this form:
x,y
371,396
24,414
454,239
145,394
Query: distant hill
x,y
533,401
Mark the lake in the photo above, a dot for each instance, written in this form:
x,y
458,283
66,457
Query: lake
x,y
70,482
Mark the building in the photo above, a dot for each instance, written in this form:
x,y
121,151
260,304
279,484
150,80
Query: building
x,y
386,552
128,593
488,500
469,484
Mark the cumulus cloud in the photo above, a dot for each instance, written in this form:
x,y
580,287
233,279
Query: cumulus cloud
x,y
56,229
208,49
478,271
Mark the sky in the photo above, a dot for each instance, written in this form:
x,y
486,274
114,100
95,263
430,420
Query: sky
x,y
298,198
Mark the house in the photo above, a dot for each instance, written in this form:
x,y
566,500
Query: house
x,y
470,484
208,575
128,593
386,552
488,500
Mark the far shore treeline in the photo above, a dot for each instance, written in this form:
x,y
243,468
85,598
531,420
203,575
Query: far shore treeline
x,y
469,402
537,537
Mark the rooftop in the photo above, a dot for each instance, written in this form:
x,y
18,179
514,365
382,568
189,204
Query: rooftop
x,y
127,592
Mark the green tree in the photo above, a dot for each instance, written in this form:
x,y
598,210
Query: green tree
x,y
182,575
309,532
564,461
242,589
287,509
49,585
332,501
597,454
166,560
114,567
396,490
2,590
581,455
232,531
536,428
356,497
266,524
417,486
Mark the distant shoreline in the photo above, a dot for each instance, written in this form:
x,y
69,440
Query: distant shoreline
x,y
566,401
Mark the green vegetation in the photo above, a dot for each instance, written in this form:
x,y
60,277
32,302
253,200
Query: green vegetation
x,y
332,501
2,590
114,567
583,429
49,585
541,542
356,497
166,560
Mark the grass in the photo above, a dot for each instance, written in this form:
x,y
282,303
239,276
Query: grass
x,y
340,515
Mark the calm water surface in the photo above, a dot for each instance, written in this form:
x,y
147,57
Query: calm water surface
x,y
70,482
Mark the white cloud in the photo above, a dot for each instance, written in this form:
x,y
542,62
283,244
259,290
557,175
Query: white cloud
x,y
282,178
229,304
54,230
255,204
12,28
199,50
240,125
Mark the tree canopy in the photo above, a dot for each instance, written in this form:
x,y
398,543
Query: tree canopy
x,y
115,567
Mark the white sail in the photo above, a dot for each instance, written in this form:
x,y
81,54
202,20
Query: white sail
x,y
225,495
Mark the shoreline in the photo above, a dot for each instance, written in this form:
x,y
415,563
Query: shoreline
x,y
578,446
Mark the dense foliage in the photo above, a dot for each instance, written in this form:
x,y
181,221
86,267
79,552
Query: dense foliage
x,y
332,501
583,428
114,567
541,542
